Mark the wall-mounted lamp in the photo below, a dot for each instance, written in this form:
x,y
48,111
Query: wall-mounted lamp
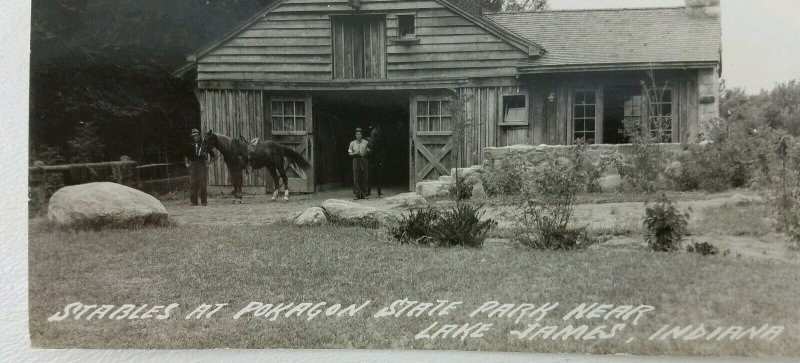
x,y
551,97
355,3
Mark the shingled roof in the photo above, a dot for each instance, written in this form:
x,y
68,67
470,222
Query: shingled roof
x,y
605,38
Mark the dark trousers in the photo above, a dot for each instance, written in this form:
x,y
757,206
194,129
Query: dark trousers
x,y
375,175
360,170
198,180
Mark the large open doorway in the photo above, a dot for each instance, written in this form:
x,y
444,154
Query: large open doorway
x,y
620,104
337,115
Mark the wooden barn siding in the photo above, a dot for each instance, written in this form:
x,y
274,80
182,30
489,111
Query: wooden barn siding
x,y
293,42
551,122
483,110
233,113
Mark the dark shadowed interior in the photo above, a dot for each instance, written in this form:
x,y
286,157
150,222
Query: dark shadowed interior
x,y
338,114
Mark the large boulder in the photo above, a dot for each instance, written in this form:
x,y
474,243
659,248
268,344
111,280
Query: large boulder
x,y
470,175
311,217
347,212
410,199
104,204
433,189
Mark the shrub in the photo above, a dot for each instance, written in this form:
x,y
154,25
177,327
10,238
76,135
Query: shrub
x,y
780,175
665,225
462,226
547,206
545,226
460,189
507,180
703,248
416,227
725,162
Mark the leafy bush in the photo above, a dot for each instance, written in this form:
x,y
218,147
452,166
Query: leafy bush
x,y
460,189
665,225
780,175
462,226
644,163
416,227
507,180
725,162
547,206
703,248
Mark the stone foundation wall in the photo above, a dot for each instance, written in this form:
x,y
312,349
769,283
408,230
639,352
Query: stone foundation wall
x,y
496,159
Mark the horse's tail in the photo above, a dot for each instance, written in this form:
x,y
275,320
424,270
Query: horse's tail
x,y
295,157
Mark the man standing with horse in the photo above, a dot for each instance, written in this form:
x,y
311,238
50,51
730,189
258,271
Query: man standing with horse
x,y
358,150
197,160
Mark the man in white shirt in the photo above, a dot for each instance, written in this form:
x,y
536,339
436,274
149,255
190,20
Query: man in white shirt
x,y
358,150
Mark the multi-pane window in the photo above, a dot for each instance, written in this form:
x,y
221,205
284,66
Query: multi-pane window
x,y
632,109
584,109
660,114
288,115
434,116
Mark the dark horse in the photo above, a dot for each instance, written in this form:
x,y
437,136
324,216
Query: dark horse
x,y
240,155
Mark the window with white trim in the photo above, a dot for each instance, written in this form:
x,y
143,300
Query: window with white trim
x,y
515,109
288,115
584,116
434,116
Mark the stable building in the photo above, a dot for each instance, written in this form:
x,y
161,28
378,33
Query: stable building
x,y
308,72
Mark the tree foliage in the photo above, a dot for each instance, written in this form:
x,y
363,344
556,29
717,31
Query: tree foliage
x,y
778,108
108,63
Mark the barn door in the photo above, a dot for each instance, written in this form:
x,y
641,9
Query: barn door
x,y
432,149
292,125
359,46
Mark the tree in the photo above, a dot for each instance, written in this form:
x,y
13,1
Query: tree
x,y
494,6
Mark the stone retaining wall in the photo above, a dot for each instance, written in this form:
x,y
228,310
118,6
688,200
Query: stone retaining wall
x,y
496,159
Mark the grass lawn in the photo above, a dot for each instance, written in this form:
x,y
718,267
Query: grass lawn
x,y
279,263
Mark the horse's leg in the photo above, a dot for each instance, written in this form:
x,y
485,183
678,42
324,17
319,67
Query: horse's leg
x,y
282,171
232,173
239,184
275,181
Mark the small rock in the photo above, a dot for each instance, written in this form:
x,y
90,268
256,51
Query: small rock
x,y
674,170
312,217
740,199
664,182
610,183
407,199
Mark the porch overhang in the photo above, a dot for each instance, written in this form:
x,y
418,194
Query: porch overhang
x,y
525,69
358,85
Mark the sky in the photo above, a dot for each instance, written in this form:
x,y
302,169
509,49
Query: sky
x,y
760,39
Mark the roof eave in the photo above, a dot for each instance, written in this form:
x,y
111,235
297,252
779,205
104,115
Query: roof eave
x,y
523,69
531,48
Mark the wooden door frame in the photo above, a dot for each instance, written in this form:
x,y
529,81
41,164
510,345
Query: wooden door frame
x,y
414,97
308,134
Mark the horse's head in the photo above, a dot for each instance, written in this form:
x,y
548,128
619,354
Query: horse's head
x,y
209,141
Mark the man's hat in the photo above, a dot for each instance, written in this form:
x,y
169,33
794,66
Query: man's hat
x,y
195,132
